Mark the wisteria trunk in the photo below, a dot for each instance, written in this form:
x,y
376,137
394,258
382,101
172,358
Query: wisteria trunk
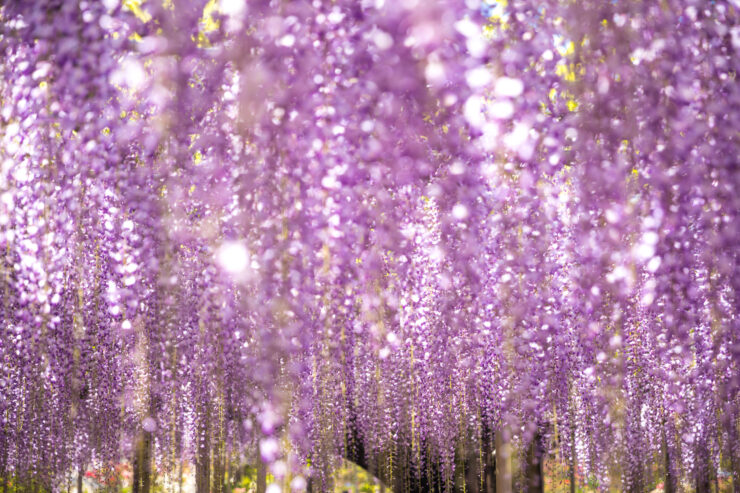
x,y
141,464
703,474
573,459
203,460
670,486
534,476
261,477
489,462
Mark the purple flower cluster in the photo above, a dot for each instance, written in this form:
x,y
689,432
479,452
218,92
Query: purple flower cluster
x,y
417,235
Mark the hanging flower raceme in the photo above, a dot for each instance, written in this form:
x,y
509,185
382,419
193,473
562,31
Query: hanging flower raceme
x,y
427,238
